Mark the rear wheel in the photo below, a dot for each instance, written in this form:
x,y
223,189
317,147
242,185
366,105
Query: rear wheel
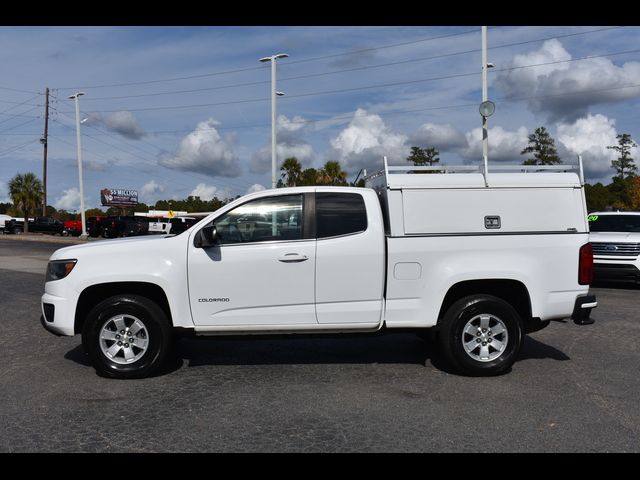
x,y
126,336
481,335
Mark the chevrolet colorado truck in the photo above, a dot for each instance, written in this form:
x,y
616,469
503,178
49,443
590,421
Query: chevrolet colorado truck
x,y
478,258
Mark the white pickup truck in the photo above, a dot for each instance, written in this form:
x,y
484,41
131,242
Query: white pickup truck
x,y
479,258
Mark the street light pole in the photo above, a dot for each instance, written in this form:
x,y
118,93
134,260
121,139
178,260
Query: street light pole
x,y
274,94
485,97
84,224
486,107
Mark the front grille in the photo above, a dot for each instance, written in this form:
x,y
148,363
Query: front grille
x,y
616,249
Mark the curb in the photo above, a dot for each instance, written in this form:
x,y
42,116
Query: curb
x,y
36,237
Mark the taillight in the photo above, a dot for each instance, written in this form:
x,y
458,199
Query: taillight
x,y
585,265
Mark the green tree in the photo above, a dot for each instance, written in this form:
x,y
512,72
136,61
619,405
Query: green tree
x,y
598,196
26,193
332,174
624,162
309,177
542,145
423,157
94,212
292,172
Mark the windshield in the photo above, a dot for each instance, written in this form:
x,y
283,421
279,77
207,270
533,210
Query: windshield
x,y
614,223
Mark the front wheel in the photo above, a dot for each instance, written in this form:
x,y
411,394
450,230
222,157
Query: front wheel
x,y
126,336
481,335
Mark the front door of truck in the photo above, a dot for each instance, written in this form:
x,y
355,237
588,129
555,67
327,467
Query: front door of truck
x,y
262,270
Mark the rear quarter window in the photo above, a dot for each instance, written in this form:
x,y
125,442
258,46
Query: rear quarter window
x,y
340,214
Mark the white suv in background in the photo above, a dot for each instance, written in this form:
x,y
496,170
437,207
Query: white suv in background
x,y
4,218
615,237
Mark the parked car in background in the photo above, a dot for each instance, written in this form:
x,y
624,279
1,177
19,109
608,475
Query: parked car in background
x,y
158,224
3,219
38,225
72,228
181,224
124,226
94,226
615,237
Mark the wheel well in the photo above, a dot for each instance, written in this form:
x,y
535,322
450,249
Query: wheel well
x,y
511,291
94,294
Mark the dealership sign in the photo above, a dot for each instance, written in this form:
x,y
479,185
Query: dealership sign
x,y
118,197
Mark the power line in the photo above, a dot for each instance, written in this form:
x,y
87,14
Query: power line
x,y
18,147
262,67
443,107
20,125
21,114
17,104
381,65
18,90
150,155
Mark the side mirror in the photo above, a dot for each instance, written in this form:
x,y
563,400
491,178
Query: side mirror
x,y
207,237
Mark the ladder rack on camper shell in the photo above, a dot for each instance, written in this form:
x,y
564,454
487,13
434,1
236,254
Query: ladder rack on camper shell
x,y
392,181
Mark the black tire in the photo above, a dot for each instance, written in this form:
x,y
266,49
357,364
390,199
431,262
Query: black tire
x,y
157,334
469,312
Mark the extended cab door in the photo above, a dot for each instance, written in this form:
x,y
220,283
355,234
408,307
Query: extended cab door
x,y
350,258
262,272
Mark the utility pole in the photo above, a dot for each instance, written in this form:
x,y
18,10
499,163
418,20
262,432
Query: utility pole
x,y
44,140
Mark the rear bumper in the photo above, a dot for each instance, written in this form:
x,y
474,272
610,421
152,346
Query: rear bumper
x,y
582,310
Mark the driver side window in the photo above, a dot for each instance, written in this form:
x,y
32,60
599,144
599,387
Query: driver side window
x,y
262,220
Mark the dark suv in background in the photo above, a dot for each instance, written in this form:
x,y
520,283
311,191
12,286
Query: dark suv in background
x,y
180,224
123,226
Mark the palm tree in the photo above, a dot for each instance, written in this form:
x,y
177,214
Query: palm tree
x,y
292,171
332,174
26,194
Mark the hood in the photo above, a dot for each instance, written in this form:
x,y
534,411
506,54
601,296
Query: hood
x,y
109,246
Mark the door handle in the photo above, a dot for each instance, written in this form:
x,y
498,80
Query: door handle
x,y
292,258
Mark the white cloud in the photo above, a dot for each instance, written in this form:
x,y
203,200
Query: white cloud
x,y
205,151
291,143
261,161
207,192
291,130
443,137
559,82
590,137
364,142
256,187
504,145
123,123
70,200
149,189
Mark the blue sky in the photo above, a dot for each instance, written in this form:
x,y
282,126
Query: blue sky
x,y
173,111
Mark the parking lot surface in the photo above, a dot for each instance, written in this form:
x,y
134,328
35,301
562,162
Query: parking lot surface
x,y
573,389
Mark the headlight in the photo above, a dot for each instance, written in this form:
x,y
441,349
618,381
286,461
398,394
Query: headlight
x,y
58,269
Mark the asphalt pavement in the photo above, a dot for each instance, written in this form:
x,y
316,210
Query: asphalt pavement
x,y
573,389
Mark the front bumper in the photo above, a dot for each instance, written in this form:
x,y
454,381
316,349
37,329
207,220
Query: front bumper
x,y
615,272
582,310
57,315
